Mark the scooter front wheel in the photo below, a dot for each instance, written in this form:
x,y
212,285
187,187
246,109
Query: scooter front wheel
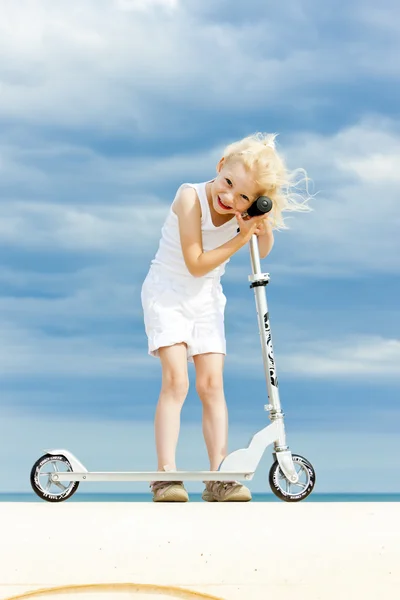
x,y
42,483
287,490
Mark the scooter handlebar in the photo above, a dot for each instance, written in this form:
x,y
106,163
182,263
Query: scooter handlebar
x,y
261,206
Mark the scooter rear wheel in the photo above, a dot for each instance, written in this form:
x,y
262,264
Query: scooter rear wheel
x,y
285,489
42,484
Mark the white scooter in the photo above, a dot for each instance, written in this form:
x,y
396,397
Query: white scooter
x,y
55,476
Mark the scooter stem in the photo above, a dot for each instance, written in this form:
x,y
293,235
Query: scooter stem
x,y
259,281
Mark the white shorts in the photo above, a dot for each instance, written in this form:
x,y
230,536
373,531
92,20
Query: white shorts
x,y
183,309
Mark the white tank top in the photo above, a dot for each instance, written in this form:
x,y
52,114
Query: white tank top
x,y
169,254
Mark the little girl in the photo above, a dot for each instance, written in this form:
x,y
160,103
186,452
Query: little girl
x,y
183,300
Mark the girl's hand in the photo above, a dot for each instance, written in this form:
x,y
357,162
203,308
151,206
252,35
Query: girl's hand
x,y
264,227
255,225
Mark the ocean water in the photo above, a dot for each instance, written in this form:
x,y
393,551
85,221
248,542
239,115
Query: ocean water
x,y
126,497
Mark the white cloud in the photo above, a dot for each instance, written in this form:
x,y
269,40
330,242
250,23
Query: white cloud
x,y
361,357
34,353
146,5
66,299
354,357
80,228
13,171
377,168
355,223
39,174
117,65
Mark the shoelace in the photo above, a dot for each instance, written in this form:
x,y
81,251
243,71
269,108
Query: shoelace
x,y
157,485
223,484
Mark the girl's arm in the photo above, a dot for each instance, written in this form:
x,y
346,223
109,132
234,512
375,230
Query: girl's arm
x,y
198,262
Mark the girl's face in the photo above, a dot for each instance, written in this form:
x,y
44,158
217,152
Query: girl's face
x,y
233,189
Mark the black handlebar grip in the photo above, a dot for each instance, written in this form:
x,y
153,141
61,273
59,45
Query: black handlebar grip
x,y
262,205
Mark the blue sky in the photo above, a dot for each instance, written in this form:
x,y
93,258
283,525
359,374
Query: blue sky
x,y
105,108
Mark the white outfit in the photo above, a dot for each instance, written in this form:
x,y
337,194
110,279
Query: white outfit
x,y
177,306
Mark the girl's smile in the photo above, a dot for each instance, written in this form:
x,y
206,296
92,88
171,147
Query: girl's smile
x,y
222,205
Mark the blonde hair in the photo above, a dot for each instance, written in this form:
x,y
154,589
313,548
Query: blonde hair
x,y
258,154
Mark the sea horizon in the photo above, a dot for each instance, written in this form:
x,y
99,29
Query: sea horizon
x,y
196,497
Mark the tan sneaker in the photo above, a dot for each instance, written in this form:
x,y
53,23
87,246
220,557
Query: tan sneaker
x,y
168,491
226,491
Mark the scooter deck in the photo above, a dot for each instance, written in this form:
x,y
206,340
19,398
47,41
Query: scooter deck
x,y
150,476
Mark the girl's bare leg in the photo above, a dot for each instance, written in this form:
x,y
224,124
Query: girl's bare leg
x,y
210,388
174,389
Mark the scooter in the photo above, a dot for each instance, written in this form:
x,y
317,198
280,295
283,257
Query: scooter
x,y
56,475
